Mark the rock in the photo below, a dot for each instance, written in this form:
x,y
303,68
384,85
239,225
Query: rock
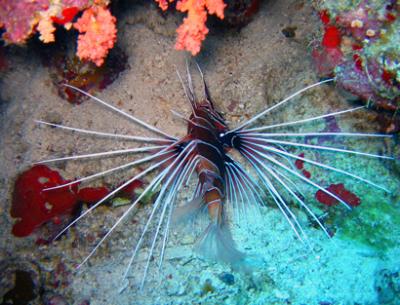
x,y
387,285
227,278
282,295
20,281
51,298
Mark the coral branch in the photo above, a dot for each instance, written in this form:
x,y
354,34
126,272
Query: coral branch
x,y
193,30
98,34
21,19
18,18
46,30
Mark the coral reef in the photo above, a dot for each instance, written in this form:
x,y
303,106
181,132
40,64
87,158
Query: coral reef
x,y
68,15
22,19
360,46
65,67
129,191
35,206
98,34
193,30
340,191
92,194
97,27
300,166
19,18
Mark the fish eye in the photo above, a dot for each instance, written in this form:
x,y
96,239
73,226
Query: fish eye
x,y
221,134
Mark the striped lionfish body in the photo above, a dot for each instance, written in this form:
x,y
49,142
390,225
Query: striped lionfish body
x,y
221,180
210,153
206,128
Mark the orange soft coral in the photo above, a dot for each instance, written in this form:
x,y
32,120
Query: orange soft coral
x,y
46,30
98,34
193,30
163,4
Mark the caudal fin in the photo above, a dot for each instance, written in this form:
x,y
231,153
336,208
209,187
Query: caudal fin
x,y
216,243
188,212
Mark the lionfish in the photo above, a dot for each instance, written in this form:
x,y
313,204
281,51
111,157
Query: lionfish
x,y
222,182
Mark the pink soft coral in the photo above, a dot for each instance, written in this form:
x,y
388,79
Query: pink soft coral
x,y
19,18
193,30
98,34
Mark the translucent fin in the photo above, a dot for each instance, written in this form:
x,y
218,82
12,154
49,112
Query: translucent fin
x,y
217,244
188,212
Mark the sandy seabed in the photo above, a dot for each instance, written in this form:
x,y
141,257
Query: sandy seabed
x,y
247,71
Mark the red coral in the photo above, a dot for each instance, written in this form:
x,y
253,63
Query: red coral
x,y
390,17
324,16
33,206
387,77
340,191
92,194
68,15
332,37
331,55
98,34
299,163
129,190
358,82
300,166
367,69
357,61
359,20
306,173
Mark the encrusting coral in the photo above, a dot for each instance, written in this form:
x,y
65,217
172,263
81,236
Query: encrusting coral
x,y
33,206
360,46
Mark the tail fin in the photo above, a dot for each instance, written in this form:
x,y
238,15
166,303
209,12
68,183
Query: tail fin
x,y
188,211
216,243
